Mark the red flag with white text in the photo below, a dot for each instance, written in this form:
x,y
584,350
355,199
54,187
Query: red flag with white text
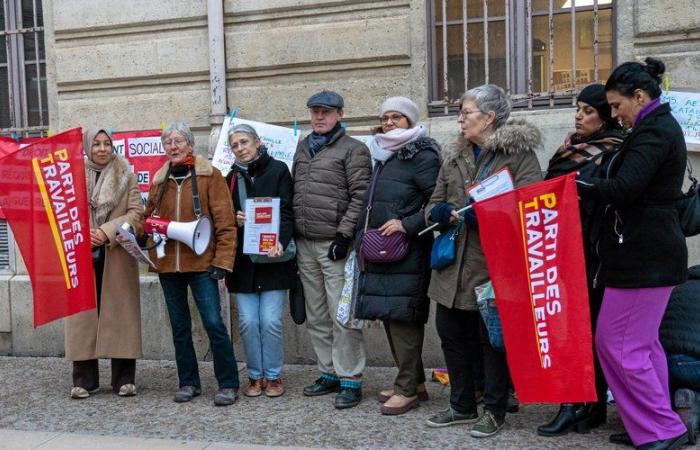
x,y
42,190
531,238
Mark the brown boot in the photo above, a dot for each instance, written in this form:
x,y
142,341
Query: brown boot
x,y
399,404
254,389
274,388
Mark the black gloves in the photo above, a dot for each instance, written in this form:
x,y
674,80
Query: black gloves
x,y
339,248
216,273
441,213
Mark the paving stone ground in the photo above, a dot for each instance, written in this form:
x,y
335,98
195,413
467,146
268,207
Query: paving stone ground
x,y
34,397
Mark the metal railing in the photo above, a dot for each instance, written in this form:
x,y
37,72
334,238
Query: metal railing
x,y
28,115
517,19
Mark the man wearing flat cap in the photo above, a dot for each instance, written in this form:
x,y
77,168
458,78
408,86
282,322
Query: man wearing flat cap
x,y
331,173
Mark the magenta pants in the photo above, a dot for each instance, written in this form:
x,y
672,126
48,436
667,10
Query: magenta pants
x,y
634,363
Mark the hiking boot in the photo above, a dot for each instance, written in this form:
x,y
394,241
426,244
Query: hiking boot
x,y
322,386
348,397
274,388
487,425
186,393
449,417
128,390
225,397
254,388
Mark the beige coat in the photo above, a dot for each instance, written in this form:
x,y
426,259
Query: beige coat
x,y
116,333
514,146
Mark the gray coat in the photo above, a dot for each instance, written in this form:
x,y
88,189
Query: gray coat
x,y
514,146
329,188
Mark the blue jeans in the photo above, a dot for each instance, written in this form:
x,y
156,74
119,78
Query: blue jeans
x,y
206,296
260,322
684,372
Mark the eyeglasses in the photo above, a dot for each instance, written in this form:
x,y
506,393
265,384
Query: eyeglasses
x,y
464,113
240,144
393,119
177,142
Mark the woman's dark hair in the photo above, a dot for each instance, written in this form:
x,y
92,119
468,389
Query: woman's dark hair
x,y
630,76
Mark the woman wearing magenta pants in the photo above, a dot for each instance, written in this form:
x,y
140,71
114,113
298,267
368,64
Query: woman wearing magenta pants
x,y
643,254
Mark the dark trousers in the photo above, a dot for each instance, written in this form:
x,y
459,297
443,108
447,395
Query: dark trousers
x,y
595,299
406,343
206,296
462,335
683,372
86,373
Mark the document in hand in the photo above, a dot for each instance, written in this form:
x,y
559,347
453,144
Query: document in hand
x,y
128,242
262,225
498,183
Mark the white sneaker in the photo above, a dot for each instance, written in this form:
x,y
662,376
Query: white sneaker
x,y
128,390
78,392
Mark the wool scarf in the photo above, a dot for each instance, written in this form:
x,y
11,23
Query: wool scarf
x,y
385,145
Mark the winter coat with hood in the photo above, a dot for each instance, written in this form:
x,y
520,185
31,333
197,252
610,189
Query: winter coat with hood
x,y
329,187
114,331
265,177
398,291
641,242
177,205
513,146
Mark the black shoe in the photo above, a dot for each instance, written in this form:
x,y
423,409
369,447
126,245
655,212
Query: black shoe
x,y
668,444
347,398
571,417
597,413
621,439
322,386
513,405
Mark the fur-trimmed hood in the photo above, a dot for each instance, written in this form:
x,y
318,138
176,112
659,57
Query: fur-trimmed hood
x,y
202,167
421,144
516,136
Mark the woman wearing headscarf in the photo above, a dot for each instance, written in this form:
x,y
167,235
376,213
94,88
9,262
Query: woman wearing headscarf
x,y
643,253
261,287
588,149
488,143
113,329
406,164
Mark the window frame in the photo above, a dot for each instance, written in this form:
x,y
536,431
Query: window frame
x,y
516,59
18,66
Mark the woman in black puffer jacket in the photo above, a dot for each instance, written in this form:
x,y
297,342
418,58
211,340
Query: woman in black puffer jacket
x,y
406,168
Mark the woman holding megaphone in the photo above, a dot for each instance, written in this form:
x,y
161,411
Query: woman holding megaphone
x,y
113,329
260,282
189,189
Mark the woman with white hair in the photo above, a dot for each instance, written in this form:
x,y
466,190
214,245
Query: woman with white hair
x,y
406,164
185,188
488,143
261,282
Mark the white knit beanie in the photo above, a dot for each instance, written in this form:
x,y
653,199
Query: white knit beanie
x,y
401,105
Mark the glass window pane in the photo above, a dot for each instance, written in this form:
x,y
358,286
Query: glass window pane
x,y
543,5
31,77
563,54
4,99
475,60
29,50
28,13
3,49
475,9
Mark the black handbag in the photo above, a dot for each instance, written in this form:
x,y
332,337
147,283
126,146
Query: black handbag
x,y
688,206
297,302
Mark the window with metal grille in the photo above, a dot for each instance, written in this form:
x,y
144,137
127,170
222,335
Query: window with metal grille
x,y
542,52
4,245
23,101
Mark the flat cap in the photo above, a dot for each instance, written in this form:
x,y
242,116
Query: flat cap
x,y
325,99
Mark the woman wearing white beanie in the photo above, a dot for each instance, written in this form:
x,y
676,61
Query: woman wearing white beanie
x,y
405,172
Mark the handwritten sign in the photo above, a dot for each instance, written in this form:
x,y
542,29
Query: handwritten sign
x,y
685,107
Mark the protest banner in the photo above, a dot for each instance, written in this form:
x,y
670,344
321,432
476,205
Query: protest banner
x,y
685,107
145,154
531,238
281,143
44,199
10,145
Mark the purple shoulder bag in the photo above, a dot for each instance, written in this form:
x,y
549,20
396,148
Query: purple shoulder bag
x,y
375,247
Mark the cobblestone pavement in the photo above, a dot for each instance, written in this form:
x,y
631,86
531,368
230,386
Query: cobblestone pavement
x,y
34,397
